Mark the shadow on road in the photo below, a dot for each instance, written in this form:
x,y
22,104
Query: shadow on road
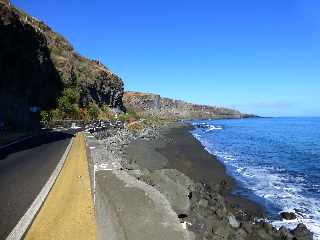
x,y
43,138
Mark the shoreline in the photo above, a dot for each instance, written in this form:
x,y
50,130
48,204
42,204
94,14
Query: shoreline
x,y
195,183
214,172
187,155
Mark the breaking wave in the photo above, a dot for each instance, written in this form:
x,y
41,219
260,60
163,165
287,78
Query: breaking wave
x,y
279,173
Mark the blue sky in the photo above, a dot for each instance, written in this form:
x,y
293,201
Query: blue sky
x,y
260,56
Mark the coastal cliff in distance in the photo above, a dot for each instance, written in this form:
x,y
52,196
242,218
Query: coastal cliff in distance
x,y
166,108
37,64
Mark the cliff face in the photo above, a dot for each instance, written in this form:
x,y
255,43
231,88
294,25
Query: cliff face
x,y
152,104
36,64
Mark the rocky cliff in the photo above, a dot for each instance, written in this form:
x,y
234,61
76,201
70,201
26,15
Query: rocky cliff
x,y
155,105
36,64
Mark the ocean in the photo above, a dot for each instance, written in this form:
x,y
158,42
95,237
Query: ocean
x,y
275,160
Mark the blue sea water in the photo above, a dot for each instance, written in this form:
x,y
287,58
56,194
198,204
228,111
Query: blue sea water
x,y
275,160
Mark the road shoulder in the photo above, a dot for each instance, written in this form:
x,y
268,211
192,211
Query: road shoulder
x,y
68,211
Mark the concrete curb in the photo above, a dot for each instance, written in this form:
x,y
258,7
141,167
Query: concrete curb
x,y
91,167
20,229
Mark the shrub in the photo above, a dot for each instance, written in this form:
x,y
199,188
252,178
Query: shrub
x,y
106,113
136,126
93,111
68,103
56,114
83,114
45,116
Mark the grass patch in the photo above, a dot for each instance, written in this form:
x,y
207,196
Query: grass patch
x,y
129,117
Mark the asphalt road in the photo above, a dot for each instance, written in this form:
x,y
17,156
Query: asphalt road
x,y
24,169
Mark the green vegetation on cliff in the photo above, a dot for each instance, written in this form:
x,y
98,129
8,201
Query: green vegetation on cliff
x,y
39,69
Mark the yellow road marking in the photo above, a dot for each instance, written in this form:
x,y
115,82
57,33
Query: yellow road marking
x,y
68,212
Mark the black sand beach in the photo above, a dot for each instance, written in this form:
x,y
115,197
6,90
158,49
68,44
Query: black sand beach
x,y
212,211
178,149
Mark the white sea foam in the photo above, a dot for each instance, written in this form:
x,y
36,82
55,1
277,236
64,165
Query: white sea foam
x,y
279,190
212,128
208,127
276,187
